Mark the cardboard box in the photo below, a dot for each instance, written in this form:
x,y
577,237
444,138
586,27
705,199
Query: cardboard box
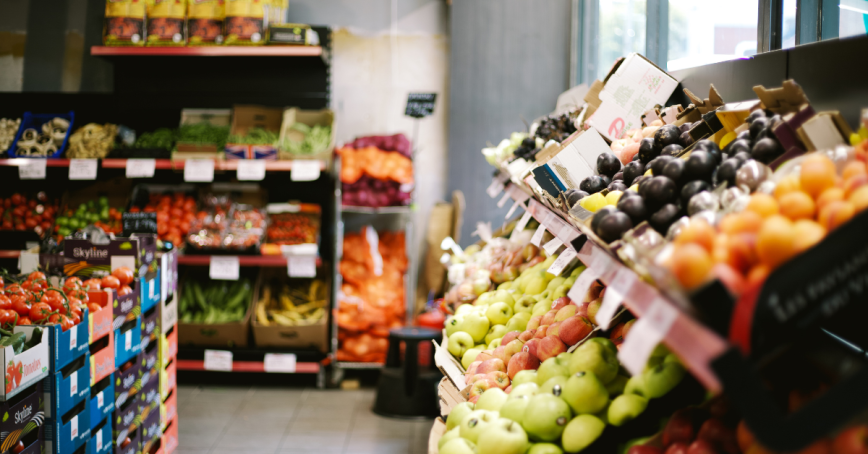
x,y
100,323
247,117
128,383
68,387
69,432
437,431
150,327
128,341
574,160
825,131
102,402
170,437
150,426
324,117
30,366
232,334
151,357
66,346
119,438
23,409
168,379
150,394
168,410
102,359
150,292
127,419
36,440
101,436
169,315
168,347
301,336
168,274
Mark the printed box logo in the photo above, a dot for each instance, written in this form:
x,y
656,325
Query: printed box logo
x,y
23,414
90,253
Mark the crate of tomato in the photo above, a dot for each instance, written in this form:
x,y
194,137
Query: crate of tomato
x,y
291,223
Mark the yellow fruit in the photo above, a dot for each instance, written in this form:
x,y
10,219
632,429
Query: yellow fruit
x,y
613,197
593,202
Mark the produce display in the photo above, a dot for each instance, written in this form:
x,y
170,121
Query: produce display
x,y
8,129
18,212
215,301
43,140
92,141
294,228
372,298
373,177
226,225
299,302
255,136
97,213
306,140
175,213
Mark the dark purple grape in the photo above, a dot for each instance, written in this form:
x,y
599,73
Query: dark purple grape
x,y
617,185
632,171
699,166
766,150
658,191
726,171
685,139
663,218
592,184
618,176
685,127
674,170
754,115
574,195
666,135
742,156
671,150
693,188
599,215
658,163
757,125
648,150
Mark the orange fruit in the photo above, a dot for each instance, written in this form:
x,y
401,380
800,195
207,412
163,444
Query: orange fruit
x,y
817,174
776,241
836,213
808,233
698,232
763,205
829,195
859,198
853,168
691,265
787,184
746,221
797,205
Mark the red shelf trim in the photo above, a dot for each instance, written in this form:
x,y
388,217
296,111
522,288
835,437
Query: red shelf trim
x,y
246,366
210,51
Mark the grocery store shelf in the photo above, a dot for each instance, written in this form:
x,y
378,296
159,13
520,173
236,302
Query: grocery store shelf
x,y
243,260
371,210
354,365
229,164
694,343
247,366
16,162
9,254
209,51
160,164
251,360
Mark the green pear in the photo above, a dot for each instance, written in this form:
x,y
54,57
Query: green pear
x,y
495,332
476,325
448,436
625,408
469,356
493,344
458,413
548,262
560,292
459,343
662,378
492,399
524,389
503,296
499,313
636,385
524,304
475,422
524,376
616,386
578,270
550,368
459,446
554,386
555,283
514,408
545,448
597,359
585,394
581,432
452,324
603,342
518,322
545,417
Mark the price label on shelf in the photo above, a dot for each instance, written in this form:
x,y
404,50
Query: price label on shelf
x,y
583,283
224,268
219,360
304,170
83,169
562,261
512,209
502,202
251,170
649,330
32,169
301,266
537,237
520,225
552,246
614,296
278,362
199,170
141,168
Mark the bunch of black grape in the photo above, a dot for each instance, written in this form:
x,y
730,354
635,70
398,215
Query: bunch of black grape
x,y
556,127
527,150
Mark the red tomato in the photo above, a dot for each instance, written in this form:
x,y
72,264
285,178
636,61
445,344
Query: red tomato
x,y
5,302
8,317
65,322
92,284
24,321
124,290
20,305
124,275
93,307
40,311
14,288
111,282
17,199
74,319
72,283
36,275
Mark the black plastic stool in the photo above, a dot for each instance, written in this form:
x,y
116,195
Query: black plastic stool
x,y
405,391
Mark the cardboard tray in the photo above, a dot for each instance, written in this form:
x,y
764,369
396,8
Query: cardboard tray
x,y
324,117
437,431
231,334
33,364
68,433
302,336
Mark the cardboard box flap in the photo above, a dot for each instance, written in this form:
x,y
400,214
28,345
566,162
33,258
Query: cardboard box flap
x,y
712,102
447,364
782,100
825,131
245,118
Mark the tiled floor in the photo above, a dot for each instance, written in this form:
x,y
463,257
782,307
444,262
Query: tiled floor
x,y
215,420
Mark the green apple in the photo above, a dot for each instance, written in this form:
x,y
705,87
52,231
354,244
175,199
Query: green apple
x,y
570,281
524,304
581,432
541,307
576,272
595,358
671,358
492,399
493,344
458,413
546,294
545,448
560,292
636,385
604,413
545,417
459,343
499,313
625,408
475,423
459,446
585,394
464,309
469,356
518,322
485,298
475,324
554,385
550,368
524,376
535,285
662,378
503,296
503,437
496,331
524,389
505,286
548,262
617,385
555,283
514,408
452,324
564,360
603,342
448,436
480,309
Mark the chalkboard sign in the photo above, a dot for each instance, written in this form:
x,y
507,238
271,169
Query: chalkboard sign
x,y
420,105
139,223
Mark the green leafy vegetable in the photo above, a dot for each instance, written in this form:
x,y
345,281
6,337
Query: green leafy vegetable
x,y
255,136
316,139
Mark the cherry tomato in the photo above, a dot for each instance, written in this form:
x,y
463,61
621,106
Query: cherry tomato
x,y
36,275
92,284
74,319
8,317
24,321
125,290
124,275
39,312
14,288
93,307
111,282
73,283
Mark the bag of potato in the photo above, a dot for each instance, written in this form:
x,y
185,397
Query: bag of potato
x,y
205,22
166,22
124,23
245,22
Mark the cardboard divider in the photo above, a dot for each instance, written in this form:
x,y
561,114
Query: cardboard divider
x,y
150,428
135,441
67,345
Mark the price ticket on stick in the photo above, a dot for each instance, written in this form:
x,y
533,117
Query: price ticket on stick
x,y
520,225
502,202
537,237
617,289
562,261
583,283
300,259
512,209
552,246
497,185
651,328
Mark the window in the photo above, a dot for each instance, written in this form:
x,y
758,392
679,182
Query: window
x,y
704,32
622,31
853,18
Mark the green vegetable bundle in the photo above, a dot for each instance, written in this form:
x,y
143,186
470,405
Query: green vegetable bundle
x,y
204,133
316,139
255,136
217,302
162,138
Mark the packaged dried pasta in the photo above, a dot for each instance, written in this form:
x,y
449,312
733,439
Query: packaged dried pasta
x,y
166,25
245,22
205,22
124,23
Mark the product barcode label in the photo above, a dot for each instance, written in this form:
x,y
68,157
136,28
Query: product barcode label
x,y
552,246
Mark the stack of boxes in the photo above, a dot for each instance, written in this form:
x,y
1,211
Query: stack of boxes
x,y
21,402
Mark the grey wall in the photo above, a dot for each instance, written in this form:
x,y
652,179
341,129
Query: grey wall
x,y
510,60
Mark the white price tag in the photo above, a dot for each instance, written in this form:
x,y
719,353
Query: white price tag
x,y
276,362
538,235
614,296
128,340
73,425
304,170
512,209
299,249
224,268
495,188
82,169
218,360
582,284
562,261
520,225
301,266
141,168
99,440
251,170
28,262
502,202
73,338
100,399
32,169
73,383
151,288
552,246
645,334
199,170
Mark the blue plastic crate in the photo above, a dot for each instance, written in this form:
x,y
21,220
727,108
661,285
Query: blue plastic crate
x,y
35,121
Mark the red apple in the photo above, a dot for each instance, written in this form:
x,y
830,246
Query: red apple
x,y
701,447
581,309
533,323
501,354
485,355
513,347
521,361
471,371
718,434
549,347
679,428
549,317
574,329
677,448
565,312
617,334
508,337
644,449
559,303
491,365
476,377
508,388
480,386
527,335
553,329
501,379
530,347
541,332
852,441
